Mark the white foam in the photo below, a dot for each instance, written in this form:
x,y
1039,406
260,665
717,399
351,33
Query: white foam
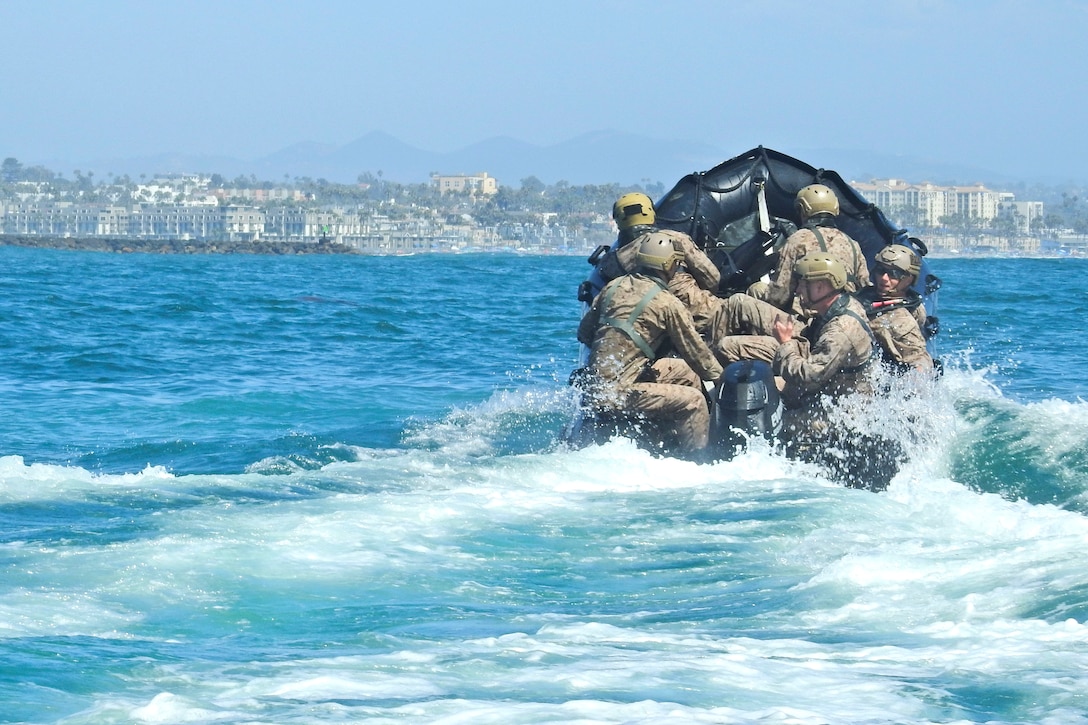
x,y
42,482
166,708
599,585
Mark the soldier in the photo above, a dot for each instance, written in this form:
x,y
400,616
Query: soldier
x,y
631,324
828,361
742,328
694,283
895,311
818,207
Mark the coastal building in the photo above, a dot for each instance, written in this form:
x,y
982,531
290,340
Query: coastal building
x,y
362,229
930,205
54,218
1070,242
147,221
258,196
185,189
478,184
1024,215
30,191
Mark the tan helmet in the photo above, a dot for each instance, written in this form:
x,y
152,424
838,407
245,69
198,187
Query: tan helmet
x,y
901,257
821,265
659,252
816,199
633,209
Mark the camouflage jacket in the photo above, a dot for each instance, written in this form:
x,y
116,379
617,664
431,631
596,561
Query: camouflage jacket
x,y
896,325
620,261
816,239
832,357
632,322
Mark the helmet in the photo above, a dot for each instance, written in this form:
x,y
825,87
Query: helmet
x,y
816,199
659,252
901,257
821,265
633,209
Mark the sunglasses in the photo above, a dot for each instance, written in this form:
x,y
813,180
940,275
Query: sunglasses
x,y
892,272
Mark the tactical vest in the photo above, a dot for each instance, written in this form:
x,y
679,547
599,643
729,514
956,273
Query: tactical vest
x,y
627,325
838,308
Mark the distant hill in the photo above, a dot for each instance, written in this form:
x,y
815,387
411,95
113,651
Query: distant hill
x,y
601,157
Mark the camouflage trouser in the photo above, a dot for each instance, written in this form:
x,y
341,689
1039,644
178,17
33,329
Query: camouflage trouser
x,y
743,329
764,292
674,402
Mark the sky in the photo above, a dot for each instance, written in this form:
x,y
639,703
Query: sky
x,y
996,84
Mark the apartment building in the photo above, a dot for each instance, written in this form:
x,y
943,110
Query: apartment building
x,y
68,219
478,184
259,196
936,202
360,229
1025,214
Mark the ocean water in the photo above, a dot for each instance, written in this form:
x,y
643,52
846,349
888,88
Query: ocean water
x,y
239,489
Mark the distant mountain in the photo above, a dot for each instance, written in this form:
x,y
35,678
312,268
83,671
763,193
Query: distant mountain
x,y
601,157
596,158
274,166
342,164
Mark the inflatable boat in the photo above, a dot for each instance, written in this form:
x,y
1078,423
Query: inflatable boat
x,y
740,213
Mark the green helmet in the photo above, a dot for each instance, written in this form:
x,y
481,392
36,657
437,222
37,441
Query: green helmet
x,y
816,199
901,257
633,209
821,265
659,252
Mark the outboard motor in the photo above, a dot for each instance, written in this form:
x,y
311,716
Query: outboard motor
x,y
747,404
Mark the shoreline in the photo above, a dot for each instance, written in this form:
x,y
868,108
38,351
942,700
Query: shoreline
x,y
132,245
1002,255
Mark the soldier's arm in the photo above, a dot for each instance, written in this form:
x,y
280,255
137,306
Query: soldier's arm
x,y
705,272
686,341
587,328
825,358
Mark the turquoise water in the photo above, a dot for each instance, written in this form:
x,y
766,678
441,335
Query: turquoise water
x,y
330,489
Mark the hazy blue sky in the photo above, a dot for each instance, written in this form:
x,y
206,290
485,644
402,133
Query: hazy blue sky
x,y
999,84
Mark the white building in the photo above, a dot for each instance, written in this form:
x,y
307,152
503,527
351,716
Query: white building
x,y
481,183
934,203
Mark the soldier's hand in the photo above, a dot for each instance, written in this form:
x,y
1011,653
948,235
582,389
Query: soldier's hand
x,y
783,328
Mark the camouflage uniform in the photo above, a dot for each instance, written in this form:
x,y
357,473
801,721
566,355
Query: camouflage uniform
x,y
743,329
812,239
817,374
830,360
625,374
897,329
621,260
704,306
